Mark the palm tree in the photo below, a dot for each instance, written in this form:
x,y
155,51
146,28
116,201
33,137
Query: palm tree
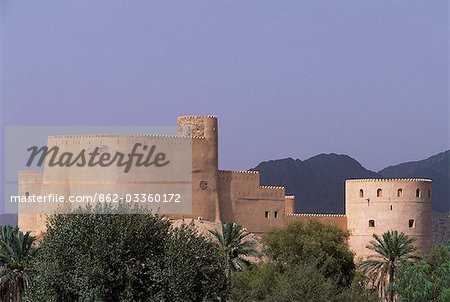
x,y
390,249
234,247
16,251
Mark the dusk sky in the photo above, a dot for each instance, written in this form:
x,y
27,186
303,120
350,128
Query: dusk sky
x,y
286,78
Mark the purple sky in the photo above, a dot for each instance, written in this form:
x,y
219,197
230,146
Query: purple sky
x,y
286,78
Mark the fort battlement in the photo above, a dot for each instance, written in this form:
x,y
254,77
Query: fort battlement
x,y
314,215
338,220
238,171
373,206
250,178
271,187
33,172
389,180
113,138
194,117
30,176
117,136
198,125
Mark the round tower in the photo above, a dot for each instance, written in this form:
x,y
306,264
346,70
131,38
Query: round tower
x,y
374,206
205,164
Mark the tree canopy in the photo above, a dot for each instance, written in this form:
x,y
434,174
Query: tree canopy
x,y
427,280
97,254
234,246
313,242
17,249
391,249
305,262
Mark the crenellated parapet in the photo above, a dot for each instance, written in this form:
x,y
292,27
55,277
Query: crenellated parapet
x,y
369,180
238,172
198,126
30,176
119,140
271,187
120,136
374,206
314,215
246,185
289,204
338,220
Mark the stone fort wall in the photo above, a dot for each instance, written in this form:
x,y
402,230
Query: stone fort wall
x,y
30,181
244,201
339,221
220,195
374,206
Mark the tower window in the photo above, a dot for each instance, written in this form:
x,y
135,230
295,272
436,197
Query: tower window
x,y
418,193
266,214
399,193
361,193
429,193
390,207
371,223
411,223
379,193
275,214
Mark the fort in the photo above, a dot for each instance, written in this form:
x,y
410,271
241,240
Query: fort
x,y
373,206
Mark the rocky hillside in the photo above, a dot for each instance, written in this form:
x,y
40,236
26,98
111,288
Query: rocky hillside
x,y
441,227
436,168
318,182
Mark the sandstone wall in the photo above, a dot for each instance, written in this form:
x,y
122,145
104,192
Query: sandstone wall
x,y
289,204
374,206
245,202
205,164
30,183
197,134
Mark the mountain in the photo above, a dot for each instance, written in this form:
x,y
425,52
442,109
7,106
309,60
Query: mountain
x,y
318,182
436,168
441,227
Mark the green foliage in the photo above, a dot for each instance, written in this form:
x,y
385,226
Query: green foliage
x,y
234,246
306,262
313,242
300,282
99,255
16,252
428,280
254,284
391,249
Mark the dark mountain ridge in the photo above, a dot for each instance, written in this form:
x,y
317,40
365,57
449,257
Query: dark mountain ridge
x,y
318,182
436,168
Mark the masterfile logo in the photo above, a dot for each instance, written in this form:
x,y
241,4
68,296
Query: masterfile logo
x,y
53,169
148,157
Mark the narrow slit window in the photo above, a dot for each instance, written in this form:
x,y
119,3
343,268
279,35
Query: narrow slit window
x,y
275,214
429,193
266,214
390,207
361,193
371,223
399,193
379,193
411,223
418,193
